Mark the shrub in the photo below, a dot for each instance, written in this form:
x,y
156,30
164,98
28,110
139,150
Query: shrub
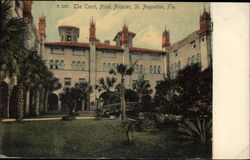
x,y
196,131
146,126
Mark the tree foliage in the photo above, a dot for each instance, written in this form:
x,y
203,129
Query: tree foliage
x,y
190,94
73,96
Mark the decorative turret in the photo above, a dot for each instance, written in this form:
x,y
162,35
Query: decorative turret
x,y
165,39
124,34
92,30
205,23
27,8
42,27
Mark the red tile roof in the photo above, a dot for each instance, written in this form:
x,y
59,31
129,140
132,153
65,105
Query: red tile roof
x,y
118,33
102,46
107,46
136,49
128,32
68,44
66,26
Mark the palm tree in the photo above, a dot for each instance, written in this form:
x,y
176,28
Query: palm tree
x,y
11,45
105,85
142,87
71,96
123,70
83,91
197,130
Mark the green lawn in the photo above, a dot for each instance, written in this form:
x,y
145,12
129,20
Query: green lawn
x,y
88,139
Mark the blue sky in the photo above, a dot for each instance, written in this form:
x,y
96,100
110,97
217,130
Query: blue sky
x,y
147,24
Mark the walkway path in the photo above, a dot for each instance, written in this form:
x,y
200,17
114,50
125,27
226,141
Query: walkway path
x,y
41,119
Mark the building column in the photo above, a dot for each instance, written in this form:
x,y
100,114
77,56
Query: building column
x,y
126,61
92,73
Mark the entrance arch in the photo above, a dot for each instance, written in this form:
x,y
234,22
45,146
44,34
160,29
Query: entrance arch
x,y
3,98
53,102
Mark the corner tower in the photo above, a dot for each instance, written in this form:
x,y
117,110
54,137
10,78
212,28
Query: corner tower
x,y
27,8
92,62
92,30
68,33
166,46
205,37
42,28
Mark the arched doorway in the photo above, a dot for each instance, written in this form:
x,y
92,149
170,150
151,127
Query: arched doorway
x,y
53,102
13,102
3,99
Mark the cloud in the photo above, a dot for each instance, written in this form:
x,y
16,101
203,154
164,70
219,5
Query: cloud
x,y
149,37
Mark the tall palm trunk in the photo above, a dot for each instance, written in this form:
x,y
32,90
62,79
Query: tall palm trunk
x,y
20,101
41,99
36,103
25,101
123,100
9,95
45,101
32,102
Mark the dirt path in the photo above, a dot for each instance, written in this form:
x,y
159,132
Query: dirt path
x,y
41,119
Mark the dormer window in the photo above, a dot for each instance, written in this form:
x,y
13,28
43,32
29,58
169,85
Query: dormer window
x,y
193,45
175,53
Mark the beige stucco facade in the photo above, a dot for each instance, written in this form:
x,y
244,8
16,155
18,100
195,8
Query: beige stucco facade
x,y
72,61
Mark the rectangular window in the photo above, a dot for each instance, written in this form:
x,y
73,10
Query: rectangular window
x,y
57,50
67,81
78,52
136,56
82,80
108,54
155,56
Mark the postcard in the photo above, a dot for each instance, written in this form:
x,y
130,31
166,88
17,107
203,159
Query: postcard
x,y
83,79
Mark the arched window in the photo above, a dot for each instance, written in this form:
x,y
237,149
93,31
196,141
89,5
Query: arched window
x,y
56,64
83,65
109,67
155,69
137,68
78,65
150,69
113,65
141,68
104,67
73,65
51,64
159,69
62,64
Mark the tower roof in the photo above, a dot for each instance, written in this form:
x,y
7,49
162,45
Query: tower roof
x,y
69,27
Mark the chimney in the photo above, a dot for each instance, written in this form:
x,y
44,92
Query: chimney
x,y
97,40
107,42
